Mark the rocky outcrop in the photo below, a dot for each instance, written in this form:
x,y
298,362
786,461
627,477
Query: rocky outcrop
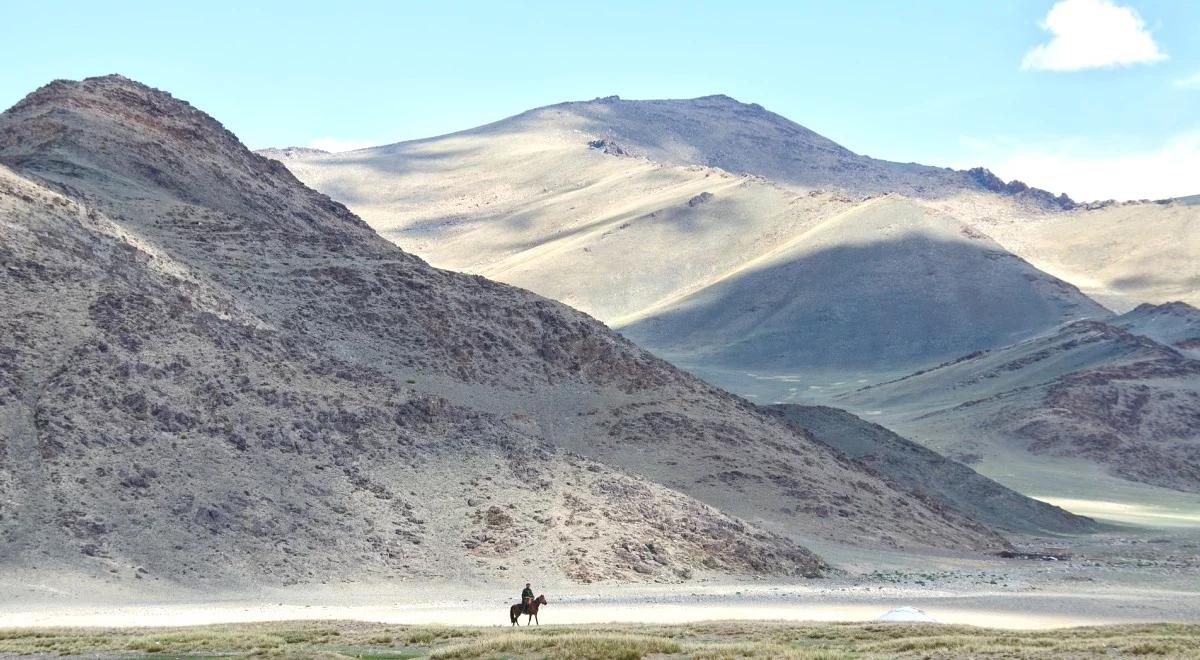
x,y
985,179
609,147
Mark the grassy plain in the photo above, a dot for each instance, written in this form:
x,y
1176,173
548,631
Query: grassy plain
x,y
707,640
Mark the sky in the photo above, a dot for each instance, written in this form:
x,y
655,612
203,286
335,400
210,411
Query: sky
x,y
1096,98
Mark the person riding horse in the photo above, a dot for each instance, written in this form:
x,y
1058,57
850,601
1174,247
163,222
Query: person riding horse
x,y
526,597
528,606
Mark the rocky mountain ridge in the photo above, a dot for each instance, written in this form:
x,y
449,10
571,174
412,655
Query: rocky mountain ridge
x,y
1093,390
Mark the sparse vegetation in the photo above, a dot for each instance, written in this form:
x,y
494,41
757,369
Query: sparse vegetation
x,y
708,641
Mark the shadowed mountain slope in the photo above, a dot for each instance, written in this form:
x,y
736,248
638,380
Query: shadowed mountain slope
x,y
932,475
890,284
213,373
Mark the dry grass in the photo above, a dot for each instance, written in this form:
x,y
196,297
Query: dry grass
x,y
707,641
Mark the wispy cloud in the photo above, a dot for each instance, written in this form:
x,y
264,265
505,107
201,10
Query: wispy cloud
x,y
1093,34
1075,168
1189,82
338,144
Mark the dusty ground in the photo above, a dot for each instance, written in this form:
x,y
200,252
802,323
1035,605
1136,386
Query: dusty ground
x,y
1129,576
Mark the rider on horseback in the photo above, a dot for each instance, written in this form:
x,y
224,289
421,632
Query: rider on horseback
x,y
526,597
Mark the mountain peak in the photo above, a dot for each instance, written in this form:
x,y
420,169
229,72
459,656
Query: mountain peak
x,y
114,99
614,98
1175,307
113,136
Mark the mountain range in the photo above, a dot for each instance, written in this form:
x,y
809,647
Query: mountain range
x,y
781,266
211,374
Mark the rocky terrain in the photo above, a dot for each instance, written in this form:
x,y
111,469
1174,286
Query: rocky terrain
x,y
210,373
932,475
1093,391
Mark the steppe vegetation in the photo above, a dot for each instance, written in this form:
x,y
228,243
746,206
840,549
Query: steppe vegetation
x,y
709,640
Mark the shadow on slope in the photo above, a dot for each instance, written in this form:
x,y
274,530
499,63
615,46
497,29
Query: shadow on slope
x,y
931,475
883,305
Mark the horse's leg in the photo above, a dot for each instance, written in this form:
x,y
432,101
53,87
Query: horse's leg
x,y
536,619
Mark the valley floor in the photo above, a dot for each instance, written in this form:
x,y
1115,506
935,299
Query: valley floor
x,y
1122,576
1129,591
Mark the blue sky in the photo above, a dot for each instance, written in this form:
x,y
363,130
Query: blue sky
x,y
1107,106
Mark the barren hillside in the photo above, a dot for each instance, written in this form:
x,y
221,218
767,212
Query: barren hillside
x,y
1121,255
932,475
653,215
891,284
213,373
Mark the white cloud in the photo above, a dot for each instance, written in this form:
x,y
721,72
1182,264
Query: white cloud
x,y
337,144
1092,34
1158,173
1190,82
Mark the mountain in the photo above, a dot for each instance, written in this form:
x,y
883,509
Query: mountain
x,y
210,373
889,285
1091,398
719,235
932,475
1122,255
1176,324
744,138
720,132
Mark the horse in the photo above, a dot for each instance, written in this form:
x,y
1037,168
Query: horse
x,y
517,610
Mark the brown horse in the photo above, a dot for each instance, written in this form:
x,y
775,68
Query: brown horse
x,y
517,610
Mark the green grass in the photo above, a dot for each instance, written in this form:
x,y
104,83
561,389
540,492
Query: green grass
x,y
720,640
